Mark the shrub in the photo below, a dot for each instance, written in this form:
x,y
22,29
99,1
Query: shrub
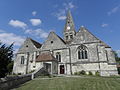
x,y
32,71
97,73
90,73
76,73
19,73
82,72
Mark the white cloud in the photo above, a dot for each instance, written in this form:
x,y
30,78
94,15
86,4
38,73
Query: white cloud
x,y
34,13
35,22
16,50
61,14
69,5
9,38
61,17
114,10
104,25
17,23
39,33
1,31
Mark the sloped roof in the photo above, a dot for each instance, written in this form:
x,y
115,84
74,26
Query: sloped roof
x,y
61,39
43,57
38,45
104,44
87,34
84,35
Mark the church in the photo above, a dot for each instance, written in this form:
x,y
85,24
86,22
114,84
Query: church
x,y
75,52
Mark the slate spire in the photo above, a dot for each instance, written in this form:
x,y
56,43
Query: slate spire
x,y
69,29
69,22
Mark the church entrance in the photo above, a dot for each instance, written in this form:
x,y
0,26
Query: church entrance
x,y
62,69
47,66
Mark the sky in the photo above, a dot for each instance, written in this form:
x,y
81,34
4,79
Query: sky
x,y
36,18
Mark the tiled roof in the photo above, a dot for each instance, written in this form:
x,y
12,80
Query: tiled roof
x,y
38,45
43,57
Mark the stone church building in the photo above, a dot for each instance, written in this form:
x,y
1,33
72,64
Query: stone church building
x,y
75,52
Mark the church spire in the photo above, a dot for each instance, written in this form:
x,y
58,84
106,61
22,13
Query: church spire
x,y
69,29
69,22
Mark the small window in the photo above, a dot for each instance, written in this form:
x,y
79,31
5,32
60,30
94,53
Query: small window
x,y
26,45
68,21
51,42
33,66
66,37
22,59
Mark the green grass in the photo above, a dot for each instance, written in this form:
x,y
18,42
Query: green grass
x,y
73,83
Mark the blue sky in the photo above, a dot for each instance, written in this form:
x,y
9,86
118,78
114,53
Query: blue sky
x,y
36,18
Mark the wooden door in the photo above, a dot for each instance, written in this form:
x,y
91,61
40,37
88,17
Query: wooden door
x,y
62,69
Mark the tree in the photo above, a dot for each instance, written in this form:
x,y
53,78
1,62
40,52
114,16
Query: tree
x,y
6,54
10,67
117,58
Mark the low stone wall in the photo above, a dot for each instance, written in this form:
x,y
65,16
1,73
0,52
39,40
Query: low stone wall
x,y
13,81
39,72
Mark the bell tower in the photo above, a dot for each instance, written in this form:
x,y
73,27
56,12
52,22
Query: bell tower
x,y
69,29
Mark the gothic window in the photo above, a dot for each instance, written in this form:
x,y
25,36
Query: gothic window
x,y
58,56
82,52
22,59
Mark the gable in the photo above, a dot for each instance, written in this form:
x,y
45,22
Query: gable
x,y
29,45
53,42
84,36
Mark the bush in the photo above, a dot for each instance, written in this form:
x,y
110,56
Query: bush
x,y
76,73
10,67
97,73
32,71
19,74
82,72
90,73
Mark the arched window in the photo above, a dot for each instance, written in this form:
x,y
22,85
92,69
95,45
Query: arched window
x,y
82,52
58,56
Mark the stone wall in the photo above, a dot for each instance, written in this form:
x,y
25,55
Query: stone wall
x,y
13,81
39,72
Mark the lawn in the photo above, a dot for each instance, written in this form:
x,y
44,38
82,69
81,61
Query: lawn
x,y
73,83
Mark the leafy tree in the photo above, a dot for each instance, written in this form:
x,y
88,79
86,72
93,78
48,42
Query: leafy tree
x,y
10,67
116,56
6,54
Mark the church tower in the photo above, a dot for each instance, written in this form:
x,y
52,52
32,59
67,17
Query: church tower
x,y
69,29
